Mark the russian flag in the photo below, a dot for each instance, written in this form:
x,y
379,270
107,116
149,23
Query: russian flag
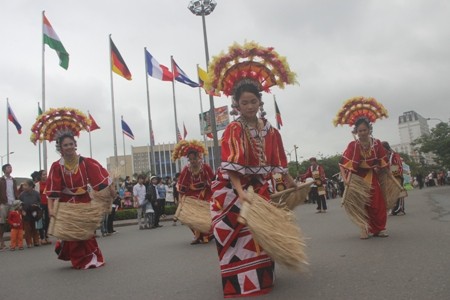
x,y
156,70
127,130
181,76
13,119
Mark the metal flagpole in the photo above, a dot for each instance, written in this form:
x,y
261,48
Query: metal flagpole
x,y
151,160
202,116
44,143
39,145
112,105
124,158
178,166
90,142
7,132
165,160
159,155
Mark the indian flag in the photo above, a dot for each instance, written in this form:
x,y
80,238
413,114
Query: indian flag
x,y
53,41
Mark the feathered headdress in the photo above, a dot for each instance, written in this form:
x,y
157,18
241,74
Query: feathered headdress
x,y
360,107
58,121
184,147
251,62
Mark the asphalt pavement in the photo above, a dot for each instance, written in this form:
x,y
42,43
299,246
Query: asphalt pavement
x,y
412,263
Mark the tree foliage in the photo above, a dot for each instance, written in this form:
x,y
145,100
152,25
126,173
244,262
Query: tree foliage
x,y
438,143
330,165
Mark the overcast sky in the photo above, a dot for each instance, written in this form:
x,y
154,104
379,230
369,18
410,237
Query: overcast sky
x,y
394,50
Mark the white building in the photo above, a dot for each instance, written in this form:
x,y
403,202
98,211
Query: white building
x,y
412,126
162,165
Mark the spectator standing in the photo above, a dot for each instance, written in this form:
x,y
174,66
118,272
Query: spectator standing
x,y
8,193
317,192
40,187
140,202
152,196
31,205
162,192
15,222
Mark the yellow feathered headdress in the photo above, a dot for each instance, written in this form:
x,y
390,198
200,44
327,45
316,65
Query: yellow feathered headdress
x,y
360,107
184,147
58,121
263,66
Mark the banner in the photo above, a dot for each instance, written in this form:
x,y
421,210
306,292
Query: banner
x,y
222,120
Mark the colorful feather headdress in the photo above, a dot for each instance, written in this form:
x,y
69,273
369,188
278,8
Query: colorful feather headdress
x,y
58,121
184,147
261,65
360,107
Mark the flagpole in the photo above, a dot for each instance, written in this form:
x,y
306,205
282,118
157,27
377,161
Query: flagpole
x,y
44,143
7,132
112,106
151,159
39,144
123,141
275,108
159,154
90,142
175,108
170,162
165,161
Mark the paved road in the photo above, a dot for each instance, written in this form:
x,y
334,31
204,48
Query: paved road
x,y
413,263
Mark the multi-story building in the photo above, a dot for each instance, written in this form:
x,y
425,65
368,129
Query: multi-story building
x,y
412,126
156,159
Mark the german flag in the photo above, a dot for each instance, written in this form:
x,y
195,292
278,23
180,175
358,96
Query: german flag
x,y
118,64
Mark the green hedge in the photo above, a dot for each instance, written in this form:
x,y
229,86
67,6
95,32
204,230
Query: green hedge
x,y
130,213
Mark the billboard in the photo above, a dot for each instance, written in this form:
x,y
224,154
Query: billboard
x,y
222,120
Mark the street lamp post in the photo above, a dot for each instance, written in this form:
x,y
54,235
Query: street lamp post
x,y
203,8
7,157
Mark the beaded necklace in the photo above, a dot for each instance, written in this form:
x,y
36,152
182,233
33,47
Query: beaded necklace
x,y
71,164
256,142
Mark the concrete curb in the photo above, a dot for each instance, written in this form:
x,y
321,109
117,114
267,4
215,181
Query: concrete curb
x,y
120,223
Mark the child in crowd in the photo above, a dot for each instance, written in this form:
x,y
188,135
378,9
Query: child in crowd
x,y
16,223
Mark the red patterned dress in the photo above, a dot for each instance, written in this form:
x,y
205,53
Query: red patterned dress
x,y
71,186
364,164
197,186
246,268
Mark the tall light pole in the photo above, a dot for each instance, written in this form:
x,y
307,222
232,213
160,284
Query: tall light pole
x,y
203,8
296,160
7,157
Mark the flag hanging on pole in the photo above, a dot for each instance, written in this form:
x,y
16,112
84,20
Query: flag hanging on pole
x,y
202,77
53,41
93,125
39,110
118,64
127,130
180,76
179,138
184,131
13,119
278,115
156,70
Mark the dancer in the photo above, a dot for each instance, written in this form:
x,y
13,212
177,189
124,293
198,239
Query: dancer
x,y
252,151
362,162
67,183
195,179
396,166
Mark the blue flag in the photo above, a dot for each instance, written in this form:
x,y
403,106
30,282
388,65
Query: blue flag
x,y
126,130
181,76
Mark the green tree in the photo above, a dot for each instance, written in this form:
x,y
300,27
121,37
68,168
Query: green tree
x,y
438,143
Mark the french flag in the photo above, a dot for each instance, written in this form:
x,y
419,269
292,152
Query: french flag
x,y
156,70
13,119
